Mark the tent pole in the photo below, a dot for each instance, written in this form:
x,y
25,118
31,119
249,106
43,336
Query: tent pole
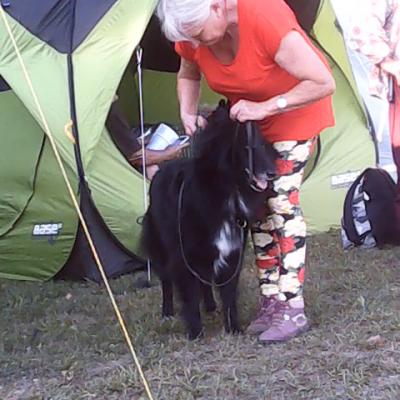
x,y
139,54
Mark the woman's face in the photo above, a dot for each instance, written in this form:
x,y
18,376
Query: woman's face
x,y
213,29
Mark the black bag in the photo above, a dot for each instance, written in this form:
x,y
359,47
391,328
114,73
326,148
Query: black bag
x,y
369,213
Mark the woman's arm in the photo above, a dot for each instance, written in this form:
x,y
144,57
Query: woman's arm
x,y
298,58
188,87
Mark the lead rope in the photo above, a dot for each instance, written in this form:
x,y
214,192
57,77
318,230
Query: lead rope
x,y
192,271
75,203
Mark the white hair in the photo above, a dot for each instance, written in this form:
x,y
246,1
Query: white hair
x,y
176,16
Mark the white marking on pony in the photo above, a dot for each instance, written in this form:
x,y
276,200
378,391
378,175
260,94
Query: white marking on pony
x,y
227,240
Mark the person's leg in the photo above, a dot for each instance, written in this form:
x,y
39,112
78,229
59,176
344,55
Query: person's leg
x,y
267,255
288,318
267,252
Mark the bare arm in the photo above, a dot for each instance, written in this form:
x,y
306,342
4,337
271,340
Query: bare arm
x,y
188,87
297,58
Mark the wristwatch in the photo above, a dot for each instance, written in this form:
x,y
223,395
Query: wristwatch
x,y
281,103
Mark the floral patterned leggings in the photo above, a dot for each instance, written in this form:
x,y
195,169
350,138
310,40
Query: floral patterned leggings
x,y
280,237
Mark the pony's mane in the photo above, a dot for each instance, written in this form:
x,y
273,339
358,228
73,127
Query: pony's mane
x,y
217,136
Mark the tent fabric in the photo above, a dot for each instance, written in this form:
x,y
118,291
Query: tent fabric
x,y
38,239
62,24
159,87
116,32
17,192
328,35
117,191
44,64
107,50
110,251
27,251
33,196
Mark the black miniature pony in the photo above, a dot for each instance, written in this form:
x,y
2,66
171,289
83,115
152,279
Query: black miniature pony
x,y
196,226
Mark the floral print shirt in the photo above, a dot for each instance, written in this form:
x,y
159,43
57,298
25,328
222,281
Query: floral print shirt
x,y
375,32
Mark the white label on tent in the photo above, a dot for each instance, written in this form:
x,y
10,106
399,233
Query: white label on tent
x,y
47,229
344,180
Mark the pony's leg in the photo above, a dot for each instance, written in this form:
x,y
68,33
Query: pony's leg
x,y
228,293
208,298
189,291
168,298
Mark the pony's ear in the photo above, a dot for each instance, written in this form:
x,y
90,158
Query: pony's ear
x,y
222,103
220,112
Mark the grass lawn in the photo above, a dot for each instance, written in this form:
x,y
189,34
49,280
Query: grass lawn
x,y
61,340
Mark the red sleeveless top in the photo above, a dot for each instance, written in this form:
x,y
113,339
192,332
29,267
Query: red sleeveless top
x,y
254,75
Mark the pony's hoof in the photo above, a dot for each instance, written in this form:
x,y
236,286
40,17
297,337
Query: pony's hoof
x,y
167,318
196,335
234,330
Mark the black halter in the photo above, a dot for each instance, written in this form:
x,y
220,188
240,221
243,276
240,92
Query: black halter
x,y
250,146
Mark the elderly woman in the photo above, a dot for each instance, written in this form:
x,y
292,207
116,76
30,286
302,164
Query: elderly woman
x,y
255,53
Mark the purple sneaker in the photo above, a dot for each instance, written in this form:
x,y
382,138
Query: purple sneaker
x,y
287,322
263,320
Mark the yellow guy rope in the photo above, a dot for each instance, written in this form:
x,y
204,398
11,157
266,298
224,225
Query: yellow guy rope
x,y
75,203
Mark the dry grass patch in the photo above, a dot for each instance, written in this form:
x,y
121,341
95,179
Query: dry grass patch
x,y
60,340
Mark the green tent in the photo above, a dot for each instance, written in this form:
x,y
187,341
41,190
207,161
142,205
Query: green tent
x,y
78,54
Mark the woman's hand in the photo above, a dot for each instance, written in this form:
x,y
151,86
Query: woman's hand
x,y
192,122
245,110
